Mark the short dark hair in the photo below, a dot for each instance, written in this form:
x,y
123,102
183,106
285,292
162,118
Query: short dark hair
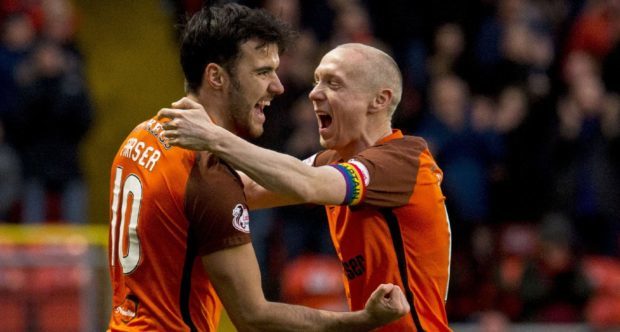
x,y
215,33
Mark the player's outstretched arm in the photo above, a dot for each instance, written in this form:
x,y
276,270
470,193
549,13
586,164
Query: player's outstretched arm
x,y
260,198
190,127
236,277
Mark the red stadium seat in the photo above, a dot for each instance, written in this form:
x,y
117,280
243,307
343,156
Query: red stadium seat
x,y
603,310
314,281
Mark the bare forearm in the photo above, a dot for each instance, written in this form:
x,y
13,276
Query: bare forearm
x,y
284,317
277,172
259,197
235,275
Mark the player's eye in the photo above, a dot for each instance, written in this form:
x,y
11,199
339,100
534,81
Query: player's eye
x,y
333,84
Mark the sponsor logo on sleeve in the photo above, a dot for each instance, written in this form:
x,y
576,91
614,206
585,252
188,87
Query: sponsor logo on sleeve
x,y
241,218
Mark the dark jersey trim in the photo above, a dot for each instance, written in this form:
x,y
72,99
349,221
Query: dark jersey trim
x,y
399,248
186,285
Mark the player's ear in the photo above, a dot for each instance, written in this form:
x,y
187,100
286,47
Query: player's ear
x,y
382,100
214,76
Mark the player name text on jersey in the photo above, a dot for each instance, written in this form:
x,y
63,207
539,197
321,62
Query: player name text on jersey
x,y
138,151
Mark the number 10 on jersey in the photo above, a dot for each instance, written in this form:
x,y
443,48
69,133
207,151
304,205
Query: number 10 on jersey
x,y
125,243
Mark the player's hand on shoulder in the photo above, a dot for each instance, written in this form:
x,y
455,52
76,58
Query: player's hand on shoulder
x,y
186,124
386,304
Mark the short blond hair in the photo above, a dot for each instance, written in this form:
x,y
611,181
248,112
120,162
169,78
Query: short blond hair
x,y
380,71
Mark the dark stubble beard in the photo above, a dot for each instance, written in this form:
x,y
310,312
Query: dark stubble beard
x,y
239,111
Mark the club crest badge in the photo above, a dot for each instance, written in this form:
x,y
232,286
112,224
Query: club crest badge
x,y
241,218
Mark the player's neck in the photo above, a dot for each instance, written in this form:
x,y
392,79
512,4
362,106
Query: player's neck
x,y
214,106
368,139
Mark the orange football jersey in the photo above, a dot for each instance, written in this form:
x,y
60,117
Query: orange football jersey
x,y
393,227
169,206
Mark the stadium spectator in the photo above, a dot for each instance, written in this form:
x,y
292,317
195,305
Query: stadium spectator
x,y
586,167
381,189
60,24
466,152
54,113
448,56
524,164
188,243
17,39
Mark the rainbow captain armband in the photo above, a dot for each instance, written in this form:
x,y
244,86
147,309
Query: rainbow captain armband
x,y
356,177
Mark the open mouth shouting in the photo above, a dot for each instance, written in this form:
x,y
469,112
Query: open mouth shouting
x,y
325,120
259,109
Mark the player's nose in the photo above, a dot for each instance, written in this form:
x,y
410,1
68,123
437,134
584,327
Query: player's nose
x,y
276,87
316,93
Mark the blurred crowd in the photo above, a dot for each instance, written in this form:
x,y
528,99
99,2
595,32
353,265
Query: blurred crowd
x,y
518,100
45,112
